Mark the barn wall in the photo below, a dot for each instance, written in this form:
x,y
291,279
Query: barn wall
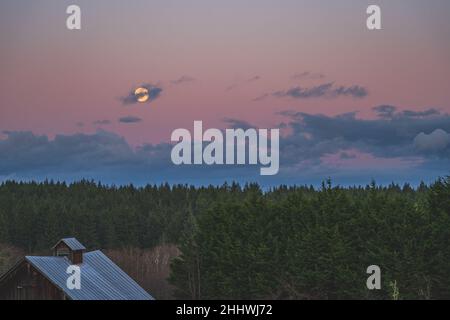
x,y
26,283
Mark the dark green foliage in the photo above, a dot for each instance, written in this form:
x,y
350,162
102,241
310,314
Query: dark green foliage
x,y
243,243
297,243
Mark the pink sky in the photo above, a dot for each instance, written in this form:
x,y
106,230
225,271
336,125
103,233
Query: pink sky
x,y
53,79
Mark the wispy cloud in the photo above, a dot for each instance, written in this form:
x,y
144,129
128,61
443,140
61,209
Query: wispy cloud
x,y
231,87
183,79
242,82
253,79
130,119
325,90
308,75
390,112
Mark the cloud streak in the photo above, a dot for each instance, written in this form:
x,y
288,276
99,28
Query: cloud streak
x,y
253,79
308,75
325,90
130,119
182,79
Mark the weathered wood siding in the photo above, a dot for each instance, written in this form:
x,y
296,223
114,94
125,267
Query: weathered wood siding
x,y
26,283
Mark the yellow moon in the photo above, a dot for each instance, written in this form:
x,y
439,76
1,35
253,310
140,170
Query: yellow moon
x,y
141,94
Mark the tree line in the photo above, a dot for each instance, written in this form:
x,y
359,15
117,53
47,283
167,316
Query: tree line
x,y
289,242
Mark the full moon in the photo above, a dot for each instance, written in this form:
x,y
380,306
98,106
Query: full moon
x,y
141,94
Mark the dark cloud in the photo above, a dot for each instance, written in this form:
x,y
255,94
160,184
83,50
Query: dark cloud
x,y
80,124
436,142
183,79
308,75
305,93
27,152
314,136
346,155
385,111
130,119
353,91
325,90
419,140
390,112
419,114
154,93
103,156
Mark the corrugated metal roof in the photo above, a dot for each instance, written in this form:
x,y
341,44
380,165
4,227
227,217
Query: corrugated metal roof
x,y
72,243
101,279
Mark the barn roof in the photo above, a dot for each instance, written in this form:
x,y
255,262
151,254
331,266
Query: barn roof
x,y
101,279
72,243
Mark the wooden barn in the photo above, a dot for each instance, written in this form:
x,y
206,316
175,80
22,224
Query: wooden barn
x,y
45,278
